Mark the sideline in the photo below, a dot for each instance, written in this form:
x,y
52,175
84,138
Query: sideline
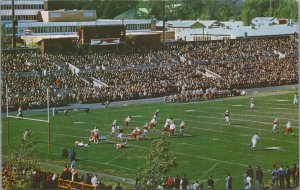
x,y
81,171
151,100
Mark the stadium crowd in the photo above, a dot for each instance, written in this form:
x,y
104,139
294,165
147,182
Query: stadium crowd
x,y
183,69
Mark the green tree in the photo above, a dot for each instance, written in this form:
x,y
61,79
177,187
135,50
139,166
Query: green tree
x,y
158,165
286,9
4,39
20,165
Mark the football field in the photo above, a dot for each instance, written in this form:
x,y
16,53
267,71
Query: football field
x,y
209,147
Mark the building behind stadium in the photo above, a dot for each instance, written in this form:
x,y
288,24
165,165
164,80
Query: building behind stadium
x,y
35,22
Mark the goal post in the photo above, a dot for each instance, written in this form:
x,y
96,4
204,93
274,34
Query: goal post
x,y
27,118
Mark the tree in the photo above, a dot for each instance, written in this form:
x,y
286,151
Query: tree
x,y
286,9
159,163
20,166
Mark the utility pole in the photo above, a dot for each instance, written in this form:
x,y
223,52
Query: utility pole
x,y
13,24
164,22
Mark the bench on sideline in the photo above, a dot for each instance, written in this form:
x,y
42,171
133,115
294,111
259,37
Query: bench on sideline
x,y
74,185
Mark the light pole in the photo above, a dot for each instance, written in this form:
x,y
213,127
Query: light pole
x,y
164,22
13,24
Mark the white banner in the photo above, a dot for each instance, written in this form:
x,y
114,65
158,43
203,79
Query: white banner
x,y
105,41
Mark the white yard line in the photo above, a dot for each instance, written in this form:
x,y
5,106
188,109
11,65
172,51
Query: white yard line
x,y
118,156
210,169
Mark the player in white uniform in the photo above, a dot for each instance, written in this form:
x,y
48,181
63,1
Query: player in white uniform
x,y
26,135
66,111
120,131
153,124
146,130
20,112
114,127
54,111
288,128
227,116
172,128
275,125
251,104
181,130
296,100
127,120
81,144
254,140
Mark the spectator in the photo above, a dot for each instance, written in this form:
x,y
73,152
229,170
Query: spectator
x,y
118,187
228,182
94,180
210,183
259,177
294,169
65,153
177,182
248,182
288,173
281,177
184,182
196,185
275,177
72,155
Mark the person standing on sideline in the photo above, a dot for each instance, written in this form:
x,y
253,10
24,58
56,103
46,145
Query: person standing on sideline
x,y
54,112
288,173
118,187
275,177
281,177
228,182
250,173
294,169
184,182
259,177
20,112
177,183
210,183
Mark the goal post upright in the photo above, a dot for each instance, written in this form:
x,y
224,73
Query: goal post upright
x,y
7,117
48,111
24,118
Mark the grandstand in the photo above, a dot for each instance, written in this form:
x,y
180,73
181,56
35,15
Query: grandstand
x,y
114,76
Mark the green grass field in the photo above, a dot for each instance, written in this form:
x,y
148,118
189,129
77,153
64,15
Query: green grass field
x,y
210,147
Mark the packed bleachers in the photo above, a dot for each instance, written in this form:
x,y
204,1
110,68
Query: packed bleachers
x,y
241,63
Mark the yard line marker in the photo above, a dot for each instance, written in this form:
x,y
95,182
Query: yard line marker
x,y
213,167
118,156
110,164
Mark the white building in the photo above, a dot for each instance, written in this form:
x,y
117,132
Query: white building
x,y
264,21
25,10
199,34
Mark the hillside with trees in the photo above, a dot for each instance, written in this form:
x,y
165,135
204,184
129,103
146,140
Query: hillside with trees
x,y
221,10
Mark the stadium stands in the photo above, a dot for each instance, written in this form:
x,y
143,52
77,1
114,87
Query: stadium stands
x,y
240,63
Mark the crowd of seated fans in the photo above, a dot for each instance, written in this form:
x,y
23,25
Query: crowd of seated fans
x,y
181,66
